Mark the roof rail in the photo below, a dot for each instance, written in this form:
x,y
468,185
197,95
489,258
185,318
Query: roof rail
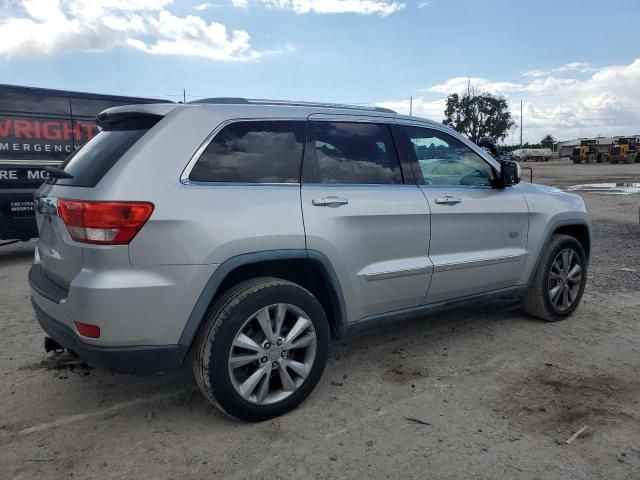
x,y
259,101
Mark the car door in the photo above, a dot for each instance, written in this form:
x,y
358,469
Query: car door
x,y
478,233
360,213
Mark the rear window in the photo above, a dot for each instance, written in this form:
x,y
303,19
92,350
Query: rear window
x,y
253,152
92,161
355,153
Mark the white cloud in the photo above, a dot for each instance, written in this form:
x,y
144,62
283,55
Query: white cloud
x,y
580,67
46,27
536,73
240,3
459,84
423,4
422,107
606,102
576,67
362,7
201,7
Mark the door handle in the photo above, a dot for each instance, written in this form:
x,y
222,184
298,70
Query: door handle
x,y
448,200
331,202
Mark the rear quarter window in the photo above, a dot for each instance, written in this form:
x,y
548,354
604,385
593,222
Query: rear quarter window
x,y
253,152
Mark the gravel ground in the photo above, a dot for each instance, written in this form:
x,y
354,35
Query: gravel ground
x,y
480,392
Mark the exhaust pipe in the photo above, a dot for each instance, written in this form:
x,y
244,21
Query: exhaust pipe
x,y
50,345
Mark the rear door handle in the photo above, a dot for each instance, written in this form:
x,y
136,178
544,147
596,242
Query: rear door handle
x,y
448,200
332,202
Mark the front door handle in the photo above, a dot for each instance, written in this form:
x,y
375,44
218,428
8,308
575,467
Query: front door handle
x,y
332,202
448,200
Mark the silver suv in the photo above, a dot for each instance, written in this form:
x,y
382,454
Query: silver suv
x,y
244,235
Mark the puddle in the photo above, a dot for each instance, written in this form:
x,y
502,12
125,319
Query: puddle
x,y
619,188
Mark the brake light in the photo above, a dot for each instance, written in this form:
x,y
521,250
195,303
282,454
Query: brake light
x,y
104,223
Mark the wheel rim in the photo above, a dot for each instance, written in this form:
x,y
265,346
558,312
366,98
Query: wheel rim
x,y
272,354
565,279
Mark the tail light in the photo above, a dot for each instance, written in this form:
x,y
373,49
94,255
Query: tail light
x,y
104,223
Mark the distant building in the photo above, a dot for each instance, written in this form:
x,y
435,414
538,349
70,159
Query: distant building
x,y
564,149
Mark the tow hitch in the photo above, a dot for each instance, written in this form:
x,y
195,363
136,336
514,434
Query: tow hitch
x,y
50,345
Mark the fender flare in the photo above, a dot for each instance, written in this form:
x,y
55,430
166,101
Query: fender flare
x,y
550,233
211,287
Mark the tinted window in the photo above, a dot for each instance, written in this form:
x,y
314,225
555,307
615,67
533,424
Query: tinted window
x,y
355,153
254,152
444,160
89,163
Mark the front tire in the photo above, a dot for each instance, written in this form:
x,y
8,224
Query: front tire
x,y
559,280
262,350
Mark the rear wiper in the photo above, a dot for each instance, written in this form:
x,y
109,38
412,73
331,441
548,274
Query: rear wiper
x,y
57,173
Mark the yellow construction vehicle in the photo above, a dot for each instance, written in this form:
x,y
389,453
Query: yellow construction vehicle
x,y
587,152
625,150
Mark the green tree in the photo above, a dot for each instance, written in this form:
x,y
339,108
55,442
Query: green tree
x,y
478,114
548,142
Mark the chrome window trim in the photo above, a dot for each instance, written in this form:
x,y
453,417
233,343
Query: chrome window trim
x,y
358,185
240,184
186,172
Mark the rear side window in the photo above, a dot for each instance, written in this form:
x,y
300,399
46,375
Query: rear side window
x,y
349,152
253,152
92,161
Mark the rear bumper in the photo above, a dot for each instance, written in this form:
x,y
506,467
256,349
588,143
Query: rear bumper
x,y
134,360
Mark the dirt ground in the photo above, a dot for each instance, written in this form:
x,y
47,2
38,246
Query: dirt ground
x,y
482,392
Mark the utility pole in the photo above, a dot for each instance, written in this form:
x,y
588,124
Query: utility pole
x,y
411,106
521,124
184,95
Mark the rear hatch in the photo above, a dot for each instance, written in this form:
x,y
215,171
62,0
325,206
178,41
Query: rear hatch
x,y
60,255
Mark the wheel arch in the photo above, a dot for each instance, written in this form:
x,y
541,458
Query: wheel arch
x,y
310,269
576,228
579,231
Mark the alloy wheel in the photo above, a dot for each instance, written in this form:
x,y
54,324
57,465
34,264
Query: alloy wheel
x,y
272,354
565,279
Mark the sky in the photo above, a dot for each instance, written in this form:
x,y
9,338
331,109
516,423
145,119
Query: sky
x,y
575,64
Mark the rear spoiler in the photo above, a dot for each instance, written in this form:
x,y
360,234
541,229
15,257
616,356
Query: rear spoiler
x,y
133,117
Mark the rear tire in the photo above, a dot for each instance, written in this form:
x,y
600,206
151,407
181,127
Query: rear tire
x,y
262,350
559,280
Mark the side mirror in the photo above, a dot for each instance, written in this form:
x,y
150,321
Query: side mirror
x,y
509,173
487,144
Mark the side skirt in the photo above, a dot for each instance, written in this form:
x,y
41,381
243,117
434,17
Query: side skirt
x,y
390,317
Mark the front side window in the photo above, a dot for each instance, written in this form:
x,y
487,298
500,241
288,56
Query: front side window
x,y
444,160
351,152
253,152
